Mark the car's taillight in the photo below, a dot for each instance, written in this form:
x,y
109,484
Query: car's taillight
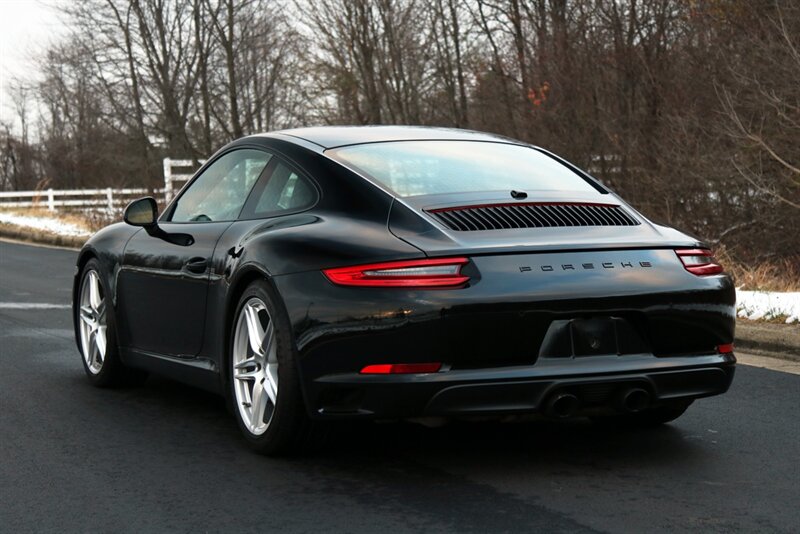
x,y
727,348
401,368
427,273
699,261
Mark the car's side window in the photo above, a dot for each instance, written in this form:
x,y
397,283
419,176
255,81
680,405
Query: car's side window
x,y
285,190
221,191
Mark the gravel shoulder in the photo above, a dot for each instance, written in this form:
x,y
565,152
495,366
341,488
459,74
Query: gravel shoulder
x,y
775,340
32,236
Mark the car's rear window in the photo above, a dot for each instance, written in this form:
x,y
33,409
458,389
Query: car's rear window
x,y
413,168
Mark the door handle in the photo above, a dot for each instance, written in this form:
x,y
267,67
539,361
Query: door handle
x,y
196,265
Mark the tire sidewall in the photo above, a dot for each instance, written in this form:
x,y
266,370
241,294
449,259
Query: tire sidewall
x,y
111,362
286,413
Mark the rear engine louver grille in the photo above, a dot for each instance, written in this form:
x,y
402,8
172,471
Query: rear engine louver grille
x,y
511,216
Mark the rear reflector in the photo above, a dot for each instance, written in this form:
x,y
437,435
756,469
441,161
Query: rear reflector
x,y
699,261
725,349
427,273
401,368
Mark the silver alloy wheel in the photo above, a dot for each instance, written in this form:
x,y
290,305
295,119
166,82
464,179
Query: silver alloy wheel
x,y
255,366
93,324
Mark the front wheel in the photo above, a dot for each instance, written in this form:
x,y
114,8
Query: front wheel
x,y
264,386
97,334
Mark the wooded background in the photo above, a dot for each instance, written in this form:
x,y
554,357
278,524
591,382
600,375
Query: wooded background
x,y
690,109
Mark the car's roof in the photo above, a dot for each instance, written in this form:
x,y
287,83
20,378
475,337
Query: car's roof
x,y
336,136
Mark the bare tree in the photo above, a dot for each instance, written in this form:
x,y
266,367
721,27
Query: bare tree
x,y
763,108
452,45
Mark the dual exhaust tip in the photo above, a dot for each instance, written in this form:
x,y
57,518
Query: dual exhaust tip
x,y
561,405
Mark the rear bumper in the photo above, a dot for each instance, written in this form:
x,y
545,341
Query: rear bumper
x,y
596,381
514,334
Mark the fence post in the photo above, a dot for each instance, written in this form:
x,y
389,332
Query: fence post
x,y
51,201
167,179
110,198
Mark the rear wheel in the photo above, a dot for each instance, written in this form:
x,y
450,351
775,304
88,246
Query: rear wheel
x,y
264,386
650,417
97,332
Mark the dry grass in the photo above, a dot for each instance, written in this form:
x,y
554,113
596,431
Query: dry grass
x,y
771,275
94,221
772,319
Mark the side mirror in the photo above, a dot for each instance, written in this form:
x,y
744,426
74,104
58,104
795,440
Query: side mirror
x,y
142,212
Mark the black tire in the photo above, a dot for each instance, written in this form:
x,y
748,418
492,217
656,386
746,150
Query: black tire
x,y
289,430
651,417
113,372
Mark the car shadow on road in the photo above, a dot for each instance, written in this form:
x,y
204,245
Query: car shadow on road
x,y
575,441
542,441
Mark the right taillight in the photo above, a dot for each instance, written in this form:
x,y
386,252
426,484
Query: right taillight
x,y
699,261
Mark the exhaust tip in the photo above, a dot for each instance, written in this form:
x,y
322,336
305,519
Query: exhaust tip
x,y
635,400
562,405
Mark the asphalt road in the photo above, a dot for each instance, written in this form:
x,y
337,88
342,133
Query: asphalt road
x,y
167,457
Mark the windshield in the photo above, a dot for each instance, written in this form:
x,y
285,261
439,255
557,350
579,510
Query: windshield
x,y
413,168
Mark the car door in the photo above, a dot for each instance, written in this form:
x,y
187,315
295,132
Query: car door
x,y
282,193
163,280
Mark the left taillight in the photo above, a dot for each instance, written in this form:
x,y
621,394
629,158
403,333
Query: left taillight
x,y
699,261
427,273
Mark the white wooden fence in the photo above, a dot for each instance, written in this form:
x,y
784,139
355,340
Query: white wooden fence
x,y
99,199
52,199
171,178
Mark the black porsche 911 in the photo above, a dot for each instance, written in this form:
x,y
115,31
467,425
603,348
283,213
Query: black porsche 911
x,y
319,274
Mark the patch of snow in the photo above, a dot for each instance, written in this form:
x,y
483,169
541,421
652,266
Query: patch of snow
x,y
52,225
757,305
